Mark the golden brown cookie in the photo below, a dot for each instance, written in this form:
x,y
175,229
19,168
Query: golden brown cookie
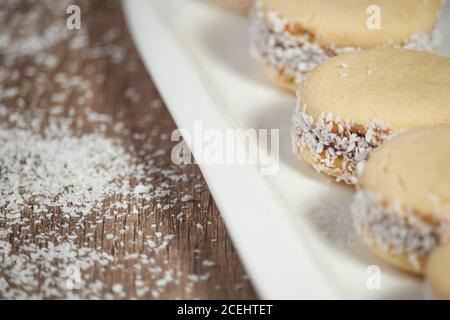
x,y
402,207
291,37
352,103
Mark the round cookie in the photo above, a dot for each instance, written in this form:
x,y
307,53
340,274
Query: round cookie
x,y
291,37
438,271
402,207
352,103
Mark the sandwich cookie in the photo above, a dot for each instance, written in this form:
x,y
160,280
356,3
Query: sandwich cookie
x,y
402,207
291,37
352,103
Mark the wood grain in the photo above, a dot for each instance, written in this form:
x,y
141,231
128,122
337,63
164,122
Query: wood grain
x,y
122,89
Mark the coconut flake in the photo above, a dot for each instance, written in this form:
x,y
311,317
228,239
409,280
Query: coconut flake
x,y
394,228
327,145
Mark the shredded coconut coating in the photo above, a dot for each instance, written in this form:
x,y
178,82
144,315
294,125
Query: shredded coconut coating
x,y
395,229
336,145
294,55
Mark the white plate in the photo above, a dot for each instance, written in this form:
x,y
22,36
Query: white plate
x,y
293,230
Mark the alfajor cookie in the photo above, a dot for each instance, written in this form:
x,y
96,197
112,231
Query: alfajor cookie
x,y
291,37
402,207
438,271
352,103
239,6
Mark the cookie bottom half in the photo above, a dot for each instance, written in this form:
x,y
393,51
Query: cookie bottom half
x,y
400,261
437,272
394,232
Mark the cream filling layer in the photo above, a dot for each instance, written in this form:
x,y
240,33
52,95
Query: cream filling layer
x,y
395,229
295,55
336,145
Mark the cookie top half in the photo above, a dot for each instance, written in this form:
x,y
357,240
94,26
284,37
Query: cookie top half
x,y
403,88
343,23
413,168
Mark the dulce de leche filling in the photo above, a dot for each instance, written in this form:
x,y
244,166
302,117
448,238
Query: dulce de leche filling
x,y
396,229
336,145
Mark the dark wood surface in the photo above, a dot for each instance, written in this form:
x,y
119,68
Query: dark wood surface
x,y
199,260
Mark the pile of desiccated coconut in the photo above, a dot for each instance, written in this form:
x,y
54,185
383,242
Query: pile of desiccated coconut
x,y
61,190
57,178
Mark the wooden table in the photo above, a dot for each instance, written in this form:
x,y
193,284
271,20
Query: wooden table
x,y
189,255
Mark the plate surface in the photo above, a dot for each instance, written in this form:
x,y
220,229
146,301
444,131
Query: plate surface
x,y
293,230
